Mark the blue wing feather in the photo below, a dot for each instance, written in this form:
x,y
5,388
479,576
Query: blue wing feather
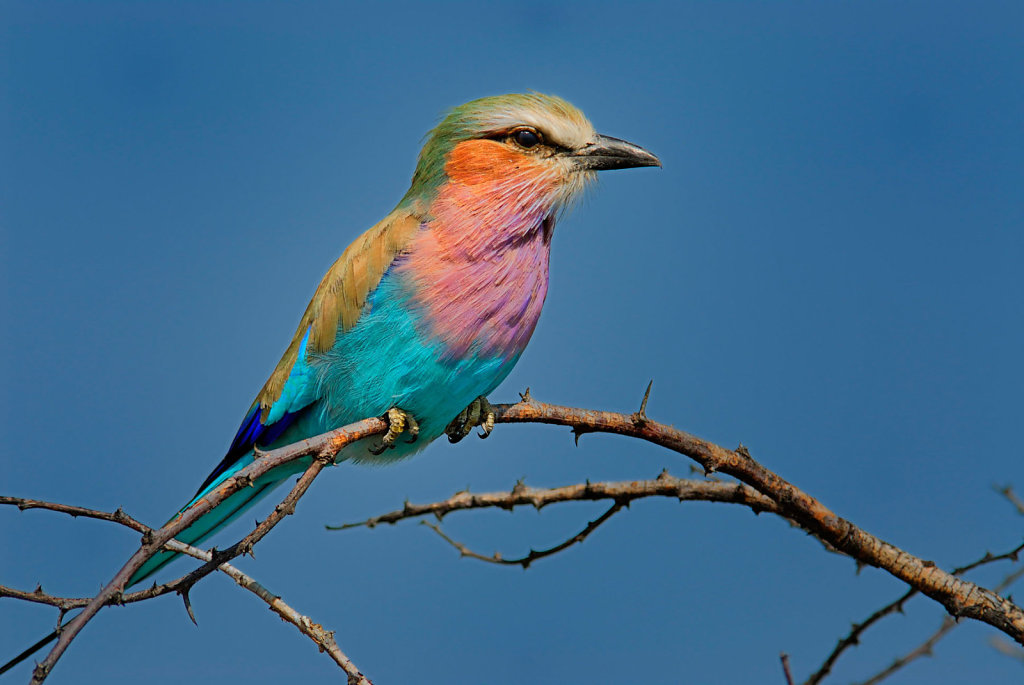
x,y
298,393
252,433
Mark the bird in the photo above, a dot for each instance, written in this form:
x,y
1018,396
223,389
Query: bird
x,y
426,313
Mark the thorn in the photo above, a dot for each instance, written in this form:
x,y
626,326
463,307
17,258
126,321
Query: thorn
x,y
640,416
709,469
188,606
577,432
257,453
38,590
525,396
647,395
743,451
519,487
664,475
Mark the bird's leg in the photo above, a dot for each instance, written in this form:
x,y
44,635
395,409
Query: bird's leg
x,y
399,422
478,413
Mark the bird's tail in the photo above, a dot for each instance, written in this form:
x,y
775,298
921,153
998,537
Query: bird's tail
x,y
221,515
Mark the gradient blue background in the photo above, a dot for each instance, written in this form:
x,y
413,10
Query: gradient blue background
x,y
827,269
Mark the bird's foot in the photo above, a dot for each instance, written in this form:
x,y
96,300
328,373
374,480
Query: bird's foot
x,y
399,422
478,413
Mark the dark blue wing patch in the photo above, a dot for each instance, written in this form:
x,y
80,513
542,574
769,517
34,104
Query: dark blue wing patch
x,y
252,433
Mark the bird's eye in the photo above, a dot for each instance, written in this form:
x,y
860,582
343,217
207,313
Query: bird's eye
x,y
526,138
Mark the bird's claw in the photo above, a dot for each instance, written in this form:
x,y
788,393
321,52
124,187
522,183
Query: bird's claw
x,y
478,413
398,422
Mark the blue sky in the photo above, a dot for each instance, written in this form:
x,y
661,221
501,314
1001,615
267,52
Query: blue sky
x,y
827,269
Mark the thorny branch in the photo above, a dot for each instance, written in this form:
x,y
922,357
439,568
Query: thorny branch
x,y
961,598
760,489
323,448
525,562
324,639
852,638
665,485
926,647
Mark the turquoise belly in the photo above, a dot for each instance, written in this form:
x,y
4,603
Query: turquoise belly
x,y
385,361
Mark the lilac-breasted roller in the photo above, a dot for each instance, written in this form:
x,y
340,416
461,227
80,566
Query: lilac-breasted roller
x,y
427,312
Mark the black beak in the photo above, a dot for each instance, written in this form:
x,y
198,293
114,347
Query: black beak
x,y
611,153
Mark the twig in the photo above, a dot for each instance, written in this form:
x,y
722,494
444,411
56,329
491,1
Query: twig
x,y
784,658
324,639
1007,648
853,637
525,562
926,647
1007,492
115,517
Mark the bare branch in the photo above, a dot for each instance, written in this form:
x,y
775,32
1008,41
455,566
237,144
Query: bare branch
x,y
961,598
853,637
784,658
924,649
324,447
948,624
665,485
1007,492
525,562
116,517
324,639
1007,648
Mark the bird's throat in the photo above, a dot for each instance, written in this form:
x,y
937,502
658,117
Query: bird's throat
x,y
477,274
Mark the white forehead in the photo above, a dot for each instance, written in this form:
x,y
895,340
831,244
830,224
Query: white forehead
x,y
559,122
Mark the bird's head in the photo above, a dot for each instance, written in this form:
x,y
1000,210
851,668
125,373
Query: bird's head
x,y
530,149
